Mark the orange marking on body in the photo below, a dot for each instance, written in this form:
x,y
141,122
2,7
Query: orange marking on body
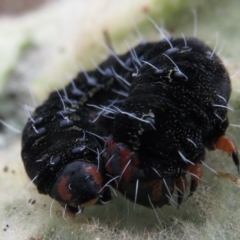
x,y
129,163
125,164
196,172
196,176
63,189
125,157
109,169
110,145
157,188
96,174
226,144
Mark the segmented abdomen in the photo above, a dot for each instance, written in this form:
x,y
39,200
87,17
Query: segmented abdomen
x,y
177,106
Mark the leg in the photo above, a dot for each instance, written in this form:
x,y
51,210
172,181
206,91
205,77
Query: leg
x,y
227,145
196,176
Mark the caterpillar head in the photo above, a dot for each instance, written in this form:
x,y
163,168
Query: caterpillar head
x,y
80,185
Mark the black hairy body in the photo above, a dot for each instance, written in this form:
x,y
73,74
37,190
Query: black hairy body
x,y
160,104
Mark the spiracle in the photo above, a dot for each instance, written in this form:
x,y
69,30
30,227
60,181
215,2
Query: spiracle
x,y
177,107
139,122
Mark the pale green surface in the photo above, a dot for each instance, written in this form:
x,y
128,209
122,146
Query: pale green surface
x,y
212,213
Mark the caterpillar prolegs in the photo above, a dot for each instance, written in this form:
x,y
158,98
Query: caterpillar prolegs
x,y
138,122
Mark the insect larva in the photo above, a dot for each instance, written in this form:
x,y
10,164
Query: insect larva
x,y
160,104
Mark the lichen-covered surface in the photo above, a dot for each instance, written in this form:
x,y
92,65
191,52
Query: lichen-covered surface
x,y
42,50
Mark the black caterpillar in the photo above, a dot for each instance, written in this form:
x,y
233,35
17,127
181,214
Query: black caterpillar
x,y
160,104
